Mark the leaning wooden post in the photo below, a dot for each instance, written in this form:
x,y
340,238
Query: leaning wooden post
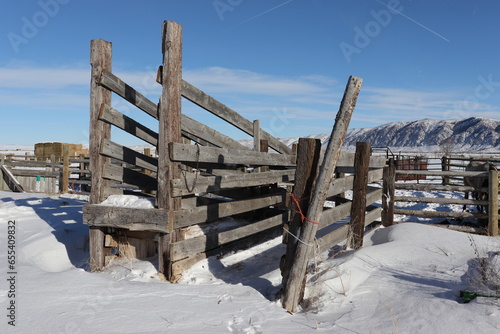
x,y
360,184
294,289
388,186
169,113
308,154
100,59
65,171
493,203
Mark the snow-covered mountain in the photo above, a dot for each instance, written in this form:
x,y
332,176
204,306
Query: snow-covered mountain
x,y
459,135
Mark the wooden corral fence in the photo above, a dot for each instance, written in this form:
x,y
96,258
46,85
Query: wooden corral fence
x,y
448,179
50,174
191,184
341,218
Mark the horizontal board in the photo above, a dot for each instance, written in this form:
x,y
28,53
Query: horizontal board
x,y
440,173
331,239
127,124
212,212
34,173
32,164
191,247
332,215
125,154
435,187
340,234
129,176
347,159
439,214
439,200
373,215
204,184
194,153
133,219
343,184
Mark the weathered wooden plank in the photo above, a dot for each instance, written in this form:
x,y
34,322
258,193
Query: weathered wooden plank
x,y
215,183
32,164
460,201
193,153
133,219
212,212
347,159
191,128
100,60
331,239
210,104
127,124
118,86
169,119
340,234
436,187
129,176
125,154
439,214
373,215
180,266
294,290
340,185
33,173
196,131
440,173
190,247
332,215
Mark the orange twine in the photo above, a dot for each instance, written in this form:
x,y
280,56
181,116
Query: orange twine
x,y
303,217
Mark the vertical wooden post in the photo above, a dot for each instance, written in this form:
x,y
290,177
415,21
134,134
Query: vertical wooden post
x,y
65,171
264,147
57,182
169,113
308,154
445,166
2,158
493,203
389,180
256,141
256,135
100,59
358,208
294,289
294,153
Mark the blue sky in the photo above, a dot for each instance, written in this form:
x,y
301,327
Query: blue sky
x,y
285,62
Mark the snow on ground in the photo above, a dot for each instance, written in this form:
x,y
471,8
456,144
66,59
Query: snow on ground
x,y
406,279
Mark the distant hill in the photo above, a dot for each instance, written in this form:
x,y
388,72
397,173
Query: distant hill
x,y
463,135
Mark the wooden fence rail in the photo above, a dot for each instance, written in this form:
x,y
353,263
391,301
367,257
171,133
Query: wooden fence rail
x,y
490,217
55,174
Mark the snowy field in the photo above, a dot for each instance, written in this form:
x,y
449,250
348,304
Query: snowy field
x,y
406,279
